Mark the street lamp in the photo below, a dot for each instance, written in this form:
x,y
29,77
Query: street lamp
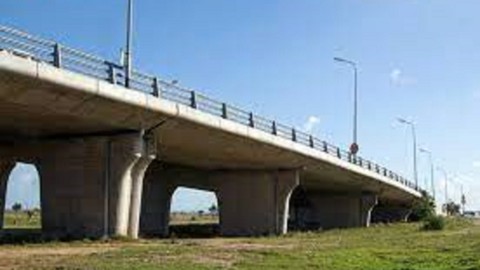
x,y
445,174
128,49
414,136
354,146
431,170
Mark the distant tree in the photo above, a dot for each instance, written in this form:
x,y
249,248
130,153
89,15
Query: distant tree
x,y
423,208
213,209
201,212
451,208
17,207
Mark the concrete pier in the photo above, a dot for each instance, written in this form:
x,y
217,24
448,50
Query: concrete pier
x,y
326,210
251,202
5,168
255,202
86,185
388,213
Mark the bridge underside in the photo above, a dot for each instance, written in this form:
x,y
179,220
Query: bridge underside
x,y
101,175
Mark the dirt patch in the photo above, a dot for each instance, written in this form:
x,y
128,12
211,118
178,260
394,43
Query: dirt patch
x,y
38,257
239,245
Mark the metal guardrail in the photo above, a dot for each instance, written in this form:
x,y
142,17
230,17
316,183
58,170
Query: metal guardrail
x,y
26,45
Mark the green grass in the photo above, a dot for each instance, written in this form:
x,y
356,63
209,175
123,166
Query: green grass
x,y
21,220
385,247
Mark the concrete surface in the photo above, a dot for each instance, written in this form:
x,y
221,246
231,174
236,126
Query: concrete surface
x,y
5,168
66,124
314,210
388,213
86,184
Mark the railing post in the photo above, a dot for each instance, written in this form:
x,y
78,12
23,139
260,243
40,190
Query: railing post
x,y
251,120
193,99
294,135
274,128
325,147
156,87
224,111
339,155
112,74
57,55
312,144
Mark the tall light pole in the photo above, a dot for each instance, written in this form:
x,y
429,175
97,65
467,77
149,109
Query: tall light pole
x,y
128,49
414,136
354,146
431,170
445,174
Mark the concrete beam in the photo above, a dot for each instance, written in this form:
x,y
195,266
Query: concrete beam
x,y
6,168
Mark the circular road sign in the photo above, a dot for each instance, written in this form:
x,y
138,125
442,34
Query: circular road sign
x,y
354,148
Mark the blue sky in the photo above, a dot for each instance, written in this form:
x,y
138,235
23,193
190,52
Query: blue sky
x,y
417,59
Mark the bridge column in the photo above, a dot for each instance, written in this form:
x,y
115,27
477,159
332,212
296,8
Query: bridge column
x,y
388,213
5,169
254,202
324,210
86,185
157,194
367,203
138,174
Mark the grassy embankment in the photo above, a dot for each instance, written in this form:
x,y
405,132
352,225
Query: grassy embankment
x,y
382,247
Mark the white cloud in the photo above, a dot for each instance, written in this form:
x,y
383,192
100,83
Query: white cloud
x,y
398,78
311,123
476,164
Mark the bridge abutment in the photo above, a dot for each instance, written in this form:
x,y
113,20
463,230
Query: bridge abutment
x,y
89,186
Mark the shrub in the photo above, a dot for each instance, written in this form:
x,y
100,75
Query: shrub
x,y
433,223
423,209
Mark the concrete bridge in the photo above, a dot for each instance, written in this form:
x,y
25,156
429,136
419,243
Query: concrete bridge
x,y
110,158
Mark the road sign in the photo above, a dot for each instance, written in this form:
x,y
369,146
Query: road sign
x,y
354,148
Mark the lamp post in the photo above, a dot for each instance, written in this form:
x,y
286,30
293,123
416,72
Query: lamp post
x,y
445,174
354,146
414,136
431,170
128,49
